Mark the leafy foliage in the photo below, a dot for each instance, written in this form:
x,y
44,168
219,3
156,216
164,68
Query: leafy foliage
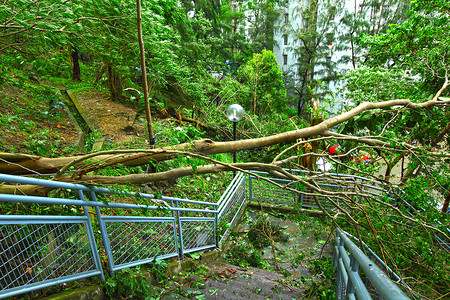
x,y
262,233
129,283
263,77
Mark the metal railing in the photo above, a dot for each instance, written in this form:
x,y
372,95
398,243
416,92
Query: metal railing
x,y
41,251
231,205
414,211
349,284
349,260
263,191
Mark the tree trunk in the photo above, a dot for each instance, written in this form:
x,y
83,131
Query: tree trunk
x,y
29,164
76,66
148,113
441,135
446,203
114,83
254,98
315,145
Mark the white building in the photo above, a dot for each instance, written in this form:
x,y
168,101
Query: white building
x,y
286,46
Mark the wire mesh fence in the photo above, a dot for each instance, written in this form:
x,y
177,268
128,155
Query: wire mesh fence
x,y
290,192
231,206
36,252
197,234
41,251
135,241
262,190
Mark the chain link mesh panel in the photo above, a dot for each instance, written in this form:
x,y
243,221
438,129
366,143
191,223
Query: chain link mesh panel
x,y
229,215
309,200
36,253
197,234
267,192
135,241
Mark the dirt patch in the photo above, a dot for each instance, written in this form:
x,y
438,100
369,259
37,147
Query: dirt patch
x,y
114,120
29,125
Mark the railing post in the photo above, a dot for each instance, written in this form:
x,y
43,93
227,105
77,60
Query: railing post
x,y
104,234
245,187
91,237
180,233
175,234
250,188
216,224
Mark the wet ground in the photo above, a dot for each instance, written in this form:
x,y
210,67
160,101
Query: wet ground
x,y
285,276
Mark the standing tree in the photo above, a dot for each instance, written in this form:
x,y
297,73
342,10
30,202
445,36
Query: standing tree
x,y
148,113
370,17
265,80
313,35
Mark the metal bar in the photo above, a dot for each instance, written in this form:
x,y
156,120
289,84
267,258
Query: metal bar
x,y
44,284
143,261
53,201
104,234
187,251
216,236
357,286
92,243
135,219
31,219
180,233
196,219
234,153
383,285
42,182
174,229
250,188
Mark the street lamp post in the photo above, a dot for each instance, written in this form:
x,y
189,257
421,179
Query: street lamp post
x,y
234,113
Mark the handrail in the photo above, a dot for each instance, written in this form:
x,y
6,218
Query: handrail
x,y
69,243
181,233
380,261
62,201
357,259
75,186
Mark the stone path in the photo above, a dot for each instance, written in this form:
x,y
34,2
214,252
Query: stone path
x,y
225,281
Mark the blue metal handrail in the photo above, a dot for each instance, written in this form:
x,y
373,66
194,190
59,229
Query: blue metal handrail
x,y
130,241
348,280
40,251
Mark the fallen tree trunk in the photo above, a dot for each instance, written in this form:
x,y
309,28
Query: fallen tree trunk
x,y
22,164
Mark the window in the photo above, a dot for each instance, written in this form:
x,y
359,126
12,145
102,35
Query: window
x,y
286,18
285,37
285,59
